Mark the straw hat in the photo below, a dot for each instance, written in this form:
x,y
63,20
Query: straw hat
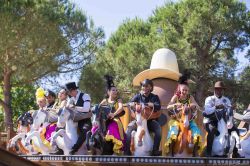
x,y
163,65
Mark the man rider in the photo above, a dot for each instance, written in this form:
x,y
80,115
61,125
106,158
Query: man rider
x,y
213,103
79,102
149,99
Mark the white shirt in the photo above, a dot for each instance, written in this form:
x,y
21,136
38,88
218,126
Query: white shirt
x,y
86,102
212,101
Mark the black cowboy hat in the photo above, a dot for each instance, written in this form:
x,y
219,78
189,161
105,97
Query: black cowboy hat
x,y
71,86
219,84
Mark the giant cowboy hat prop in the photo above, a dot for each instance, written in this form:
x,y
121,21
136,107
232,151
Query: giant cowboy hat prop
x,y
163,65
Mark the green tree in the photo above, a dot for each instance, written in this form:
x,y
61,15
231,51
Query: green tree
x,y
127,52
23,100
42,39
244,95
204,35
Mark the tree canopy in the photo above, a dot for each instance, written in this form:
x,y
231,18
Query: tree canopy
x,y
42,39
126,53
203,34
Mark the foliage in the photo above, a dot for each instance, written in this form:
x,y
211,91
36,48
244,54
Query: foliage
x,y
244,95
203,34
126,53
42,39
23,100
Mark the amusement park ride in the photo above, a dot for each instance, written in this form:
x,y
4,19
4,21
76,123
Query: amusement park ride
x,y
164,72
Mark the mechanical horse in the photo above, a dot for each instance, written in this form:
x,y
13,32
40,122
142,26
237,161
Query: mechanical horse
x,y
245,133
181,141
141,141
224,143
17,144
42,129
66,138
96,142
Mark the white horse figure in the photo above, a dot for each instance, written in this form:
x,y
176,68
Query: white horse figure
x,y
141,138
245,139
23,148
224,143
41,121
17,143
66,138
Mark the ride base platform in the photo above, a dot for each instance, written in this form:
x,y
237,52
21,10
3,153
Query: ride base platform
x,y
90,160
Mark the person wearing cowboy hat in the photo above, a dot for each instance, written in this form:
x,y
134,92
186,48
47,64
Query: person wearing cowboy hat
x,y
79,103
213,103
148,99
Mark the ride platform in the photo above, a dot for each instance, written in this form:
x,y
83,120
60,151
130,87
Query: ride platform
x,y
90,160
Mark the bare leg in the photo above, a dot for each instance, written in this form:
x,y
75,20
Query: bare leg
x,y
140,137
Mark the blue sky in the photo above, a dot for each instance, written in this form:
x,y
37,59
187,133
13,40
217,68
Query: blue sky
x,y
109,14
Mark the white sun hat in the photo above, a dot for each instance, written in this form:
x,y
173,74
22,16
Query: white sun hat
x,y
163,65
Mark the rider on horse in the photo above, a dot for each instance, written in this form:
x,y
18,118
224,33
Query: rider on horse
x,y
46,131
79,103
214,103
182,103
115,132
148,99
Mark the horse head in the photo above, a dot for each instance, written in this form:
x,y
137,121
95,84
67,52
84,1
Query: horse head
x,y
100,116
226,115
40,117
95,137
95,115
24,122
64,115
139,109
25,119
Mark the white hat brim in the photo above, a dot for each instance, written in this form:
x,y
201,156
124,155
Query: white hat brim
x,y
155,73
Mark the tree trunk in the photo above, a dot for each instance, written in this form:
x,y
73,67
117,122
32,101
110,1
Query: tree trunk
x,y
7,101
200,92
